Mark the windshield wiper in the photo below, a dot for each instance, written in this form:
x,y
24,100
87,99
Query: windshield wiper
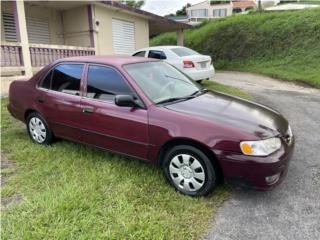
x,y
198,92
193,95
173,99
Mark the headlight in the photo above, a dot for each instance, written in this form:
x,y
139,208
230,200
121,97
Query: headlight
x,y
261,147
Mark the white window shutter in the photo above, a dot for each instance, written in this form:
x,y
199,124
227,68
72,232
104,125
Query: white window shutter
x,y
123,35
9,27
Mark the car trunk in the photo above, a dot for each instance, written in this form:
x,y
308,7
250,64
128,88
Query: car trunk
x,y
200,62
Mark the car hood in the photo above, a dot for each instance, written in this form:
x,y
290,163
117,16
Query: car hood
x,y
253,118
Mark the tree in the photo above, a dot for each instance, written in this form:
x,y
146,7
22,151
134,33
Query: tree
x,y
133,3
183,11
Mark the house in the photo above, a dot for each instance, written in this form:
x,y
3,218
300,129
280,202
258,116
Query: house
x,y
183,18
35,33
211,9
242,6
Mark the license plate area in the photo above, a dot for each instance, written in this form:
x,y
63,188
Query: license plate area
x,y
203,64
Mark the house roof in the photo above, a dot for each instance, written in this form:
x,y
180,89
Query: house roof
x,y
243,4
157,24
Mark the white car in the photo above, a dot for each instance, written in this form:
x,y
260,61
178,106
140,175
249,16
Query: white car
x,y
198,67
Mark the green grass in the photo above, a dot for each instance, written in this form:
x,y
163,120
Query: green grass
x,y
285,45
314,2
226,89
71,191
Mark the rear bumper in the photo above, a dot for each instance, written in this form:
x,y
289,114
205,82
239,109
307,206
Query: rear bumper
x,y
199,74
252,172
15,112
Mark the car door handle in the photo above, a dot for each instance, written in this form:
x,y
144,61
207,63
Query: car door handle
x,y
87,110
39,100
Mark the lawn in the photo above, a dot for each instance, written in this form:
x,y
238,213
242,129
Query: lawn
x,y
226,89
283,44
71,191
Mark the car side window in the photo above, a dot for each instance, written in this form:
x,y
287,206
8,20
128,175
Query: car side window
x,y
157,54
46,82
66,78
104,83
140,54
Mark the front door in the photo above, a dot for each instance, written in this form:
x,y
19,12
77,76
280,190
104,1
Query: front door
x,y
106,125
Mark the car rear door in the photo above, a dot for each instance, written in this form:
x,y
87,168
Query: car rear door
x,y
59,99
106,125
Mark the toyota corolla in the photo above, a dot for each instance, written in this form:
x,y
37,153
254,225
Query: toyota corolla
x,y
147,109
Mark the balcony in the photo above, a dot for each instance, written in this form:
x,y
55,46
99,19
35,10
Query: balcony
x,y
37,33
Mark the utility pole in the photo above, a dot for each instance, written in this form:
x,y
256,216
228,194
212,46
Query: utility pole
x,y
259,6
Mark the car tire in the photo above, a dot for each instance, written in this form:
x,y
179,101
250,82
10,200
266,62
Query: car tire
x,y
189,170
38,129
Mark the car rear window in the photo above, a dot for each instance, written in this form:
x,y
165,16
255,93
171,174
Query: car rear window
x,y
140,54
66,78
182,52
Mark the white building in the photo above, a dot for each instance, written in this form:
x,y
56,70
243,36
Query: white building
x,y
208,10
218,9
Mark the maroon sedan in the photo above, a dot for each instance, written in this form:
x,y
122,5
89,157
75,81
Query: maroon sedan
x,y
149,110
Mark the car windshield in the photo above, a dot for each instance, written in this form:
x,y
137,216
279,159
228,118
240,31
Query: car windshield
x,y
161,82
183,51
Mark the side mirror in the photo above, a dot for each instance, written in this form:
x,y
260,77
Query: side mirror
x,y
125,101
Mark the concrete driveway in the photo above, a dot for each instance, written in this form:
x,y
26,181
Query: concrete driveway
x,y
291,211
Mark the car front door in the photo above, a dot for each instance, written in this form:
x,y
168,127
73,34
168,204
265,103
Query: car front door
x,y
106,125
59,100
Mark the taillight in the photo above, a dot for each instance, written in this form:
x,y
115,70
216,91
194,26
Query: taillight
x,y
188,64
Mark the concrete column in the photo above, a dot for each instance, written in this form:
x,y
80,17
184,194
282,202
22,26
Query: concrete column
x,y
93,28
180,37
21,27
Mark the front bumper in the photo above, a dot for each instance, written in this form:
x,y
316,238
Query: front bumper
x,y
251,172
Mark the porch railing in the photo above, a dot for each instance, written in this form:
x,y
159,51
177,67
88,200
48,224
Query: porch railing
x,y
11,55
42,54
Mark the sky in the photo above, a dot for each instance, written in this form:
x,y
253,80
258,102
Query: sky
x,y
164,7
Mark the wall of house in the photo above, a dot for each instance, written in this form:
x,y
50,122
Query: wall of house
x,y
53,17
6,7
206,5
66,27
104,15
76,27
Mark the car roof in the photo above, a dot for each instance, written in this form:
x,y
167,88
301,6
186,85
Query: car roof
x,y
159,48
117,60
